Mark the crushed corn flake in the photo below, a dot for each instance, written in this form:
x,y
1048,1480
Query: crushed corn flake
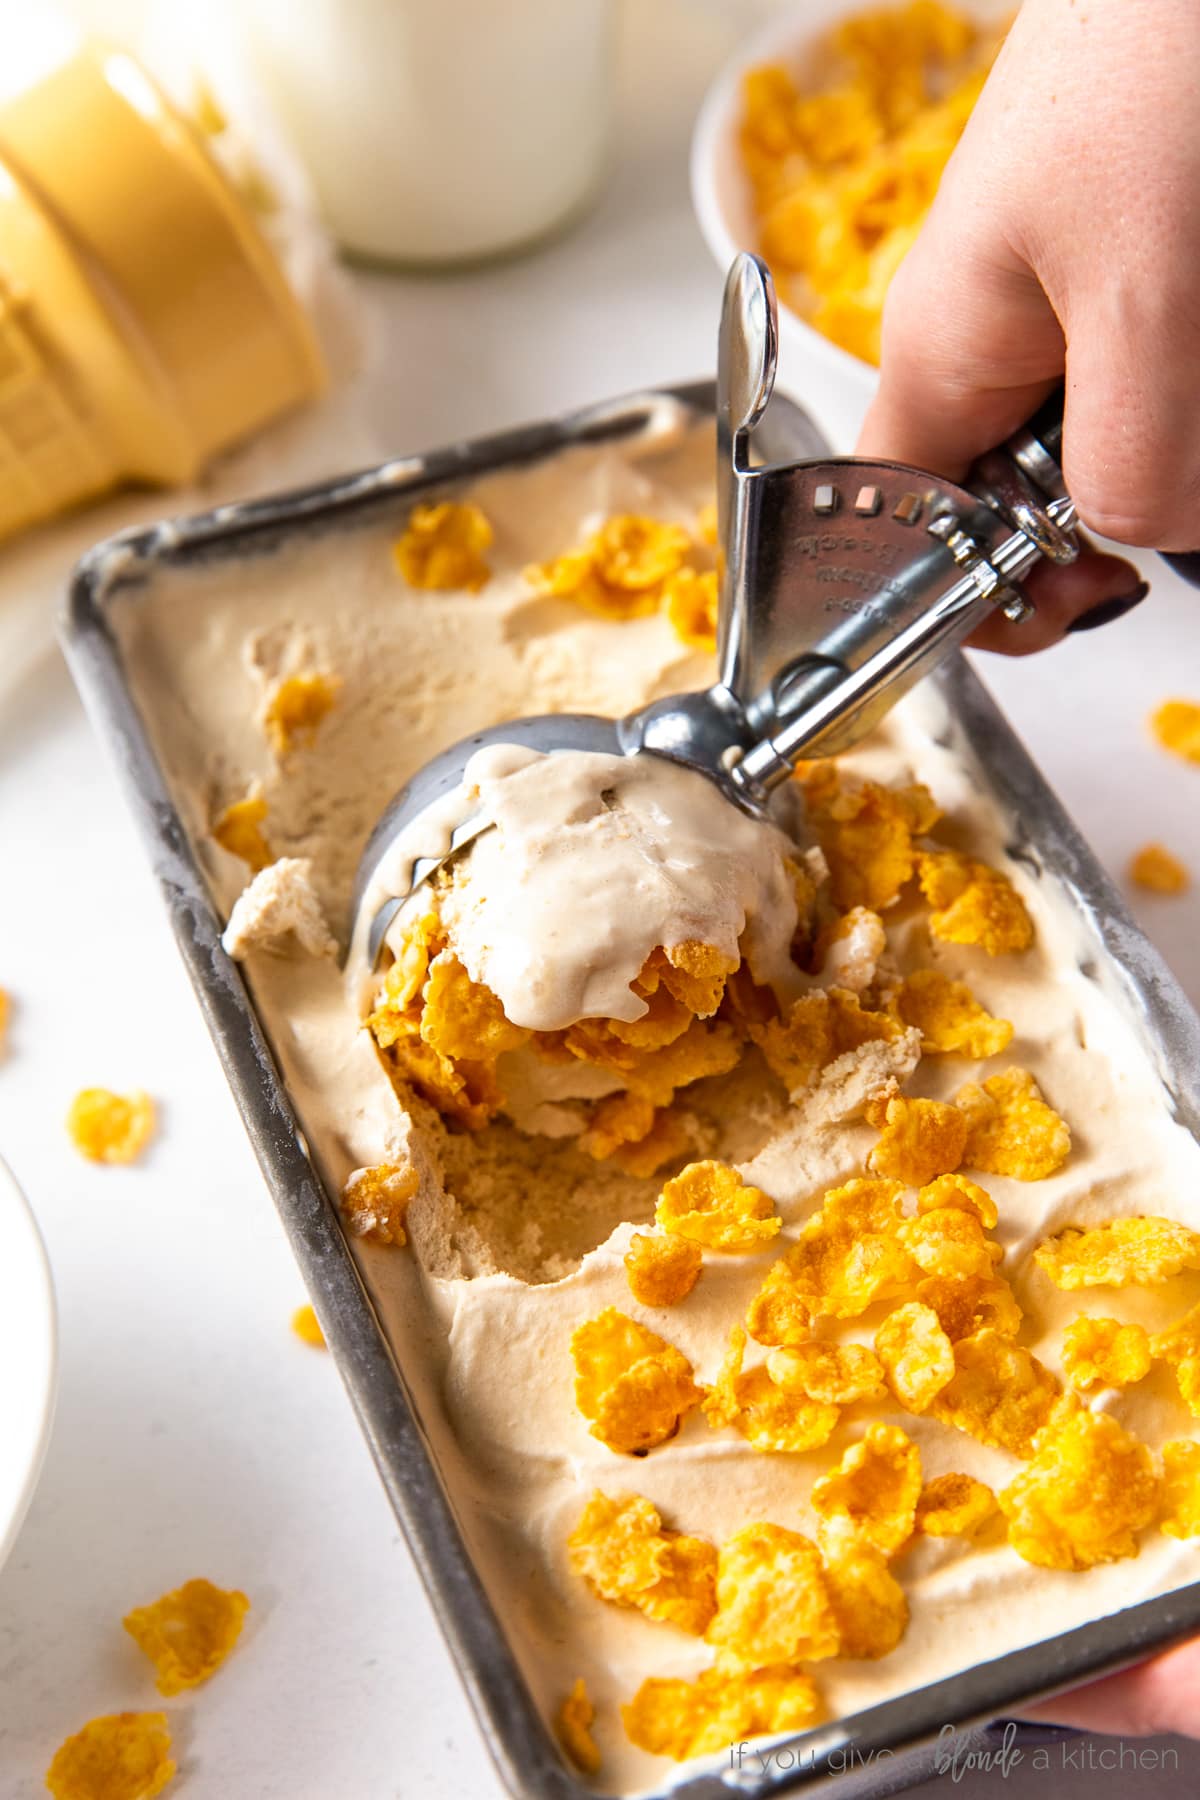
x,y
188,1633
625,1555
307,1328
1090,1488
573,1722
443,547
875,1486
632,1385
122,1756
1179,1348
710,1204
295,706
1176,726
869,1604
239,829
1136,1252
1181,1489
691,599
916,1355
771,1416
374,1202
1154,867
954,1505
837,1374
948,1016
661,1271
1104,1353
819,1028
111,1128
973,903
621,570
1012,1130
866,832
1000,1393
682,1719
772,1603
847,1256
919,1139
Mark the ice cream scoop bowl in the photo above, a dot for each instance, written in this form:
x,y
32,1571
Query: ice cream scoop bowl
x,y
842,582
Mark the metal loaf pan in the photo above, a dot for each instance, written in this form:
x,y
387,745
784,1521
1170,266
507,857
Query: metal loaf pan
x,y
881,1749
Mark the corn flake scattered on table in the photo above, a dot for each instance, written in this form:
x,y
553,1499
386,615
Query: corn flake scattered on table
x,y
111,1128
844,156
307,1327
1176,726
188,1633
1157,869
122,1756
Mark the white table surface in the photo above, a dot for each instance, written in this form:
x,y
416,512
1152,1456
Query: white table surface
x,y
195,1434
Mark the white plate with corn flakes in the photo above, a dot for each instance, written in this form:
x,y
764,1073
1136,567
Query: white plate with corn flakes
x,y
821,147
28,1355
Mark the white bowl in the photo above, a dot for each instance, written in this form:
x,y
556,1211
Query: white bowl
x,y
28,1356
834,386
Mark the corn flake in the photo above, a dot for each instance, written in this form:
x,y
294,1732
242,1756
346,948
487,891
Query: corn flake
x,y
1179,1346
626,1556
1181,1489
1104,1353
869,1605
1155,868
847,1256
819,1028
948,1016
1139,1252
1089,1490
875,1487
973,904
916,1355
307,1328
111,1128
954,1506
188,1633
122,1756
634,1386
919,1139
620,571
1176,726
461,1019
1000,1393
772,1604
866,832
950,1241
294,708
695,1718
1011,1129
374,1202
239,830
769,1415
443,546
661,1271
710,1204
956,1190
691,601
967,1305
838,1374
573,1722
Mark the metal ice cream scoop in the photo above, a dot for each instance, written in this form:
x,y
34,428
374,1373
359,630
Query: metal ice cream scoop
x,y
842,582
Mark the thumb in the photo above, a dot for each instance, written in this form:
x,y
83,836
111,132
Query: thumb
x,y
971,347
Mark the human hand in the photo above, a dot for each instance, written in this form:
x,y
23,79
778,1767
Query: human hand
x,y
1157,1696
1065,235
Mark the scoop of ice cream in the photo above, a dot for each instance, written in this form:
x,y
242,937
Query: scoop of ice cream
x,y
590,863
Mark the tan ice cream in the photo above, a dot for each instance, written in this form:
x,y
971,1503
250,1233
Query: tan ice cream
x,y
518,1235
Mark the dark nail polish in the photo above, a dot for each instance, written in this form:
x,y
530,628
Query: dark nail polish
x,y
1109,611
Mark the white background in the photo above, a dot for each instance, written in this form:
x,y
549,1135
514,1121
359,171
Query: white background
x,y
195,1435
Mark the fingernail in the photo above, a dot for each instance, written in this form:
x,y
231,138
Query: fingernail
x,y
1110,610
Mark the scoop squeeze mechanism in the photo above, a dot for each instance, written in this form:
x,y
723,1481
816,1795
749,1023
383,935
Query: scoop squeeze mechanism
x,y
842,582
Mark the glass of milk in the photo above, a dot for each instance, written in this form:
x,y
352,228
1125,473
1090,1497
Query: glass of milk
x,y
438,131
